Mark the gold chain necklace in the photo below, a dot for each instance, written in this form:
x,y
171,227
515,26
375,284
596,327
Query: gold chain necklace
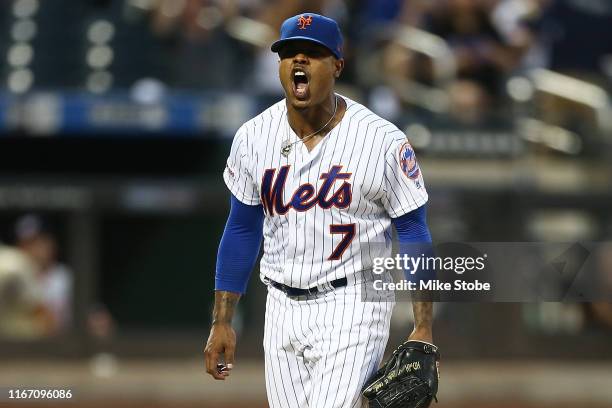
x,y
287,145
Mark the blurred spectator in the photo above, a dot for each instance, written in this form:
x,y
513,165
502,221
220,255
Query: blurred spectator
x,y
54,279
515,20
100,323
470,84
101,328
200,29
369,15
196,19
483,57
578,34
190,32
22,314
367,19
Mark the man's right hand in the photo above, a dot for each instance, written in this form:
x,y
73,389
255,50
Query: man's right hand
x,y
221,342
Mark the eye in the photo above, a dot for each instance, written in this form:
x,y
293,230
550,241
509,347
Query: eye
x,y
286,52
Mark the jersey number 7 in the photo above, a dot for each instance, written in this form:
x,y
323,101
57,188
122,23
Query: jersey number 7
x,y
348,230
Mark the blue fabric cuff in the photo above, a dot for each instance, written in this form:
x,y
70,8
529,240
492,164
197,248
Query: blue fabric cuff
x,y
415,241
239,246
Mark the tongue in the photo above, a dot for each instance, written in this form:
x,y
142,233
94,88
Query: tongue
x,y
300,90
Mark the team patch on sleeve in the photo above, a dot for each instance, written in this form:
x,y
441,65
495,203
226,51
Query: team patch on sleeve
x,y
408,163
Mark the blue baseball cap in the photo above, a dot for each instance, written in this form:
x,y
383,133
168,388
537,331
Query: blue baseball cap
x,y
311,27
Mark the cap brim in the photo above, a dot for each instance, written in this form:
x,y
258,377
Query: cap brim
x,y
276,46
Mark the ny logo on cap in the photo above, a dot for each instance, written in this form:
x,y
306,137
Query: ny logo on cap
x,y
303,22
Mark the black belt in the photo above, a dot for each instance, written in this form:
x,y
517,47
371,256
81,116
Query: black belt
x,y
293,292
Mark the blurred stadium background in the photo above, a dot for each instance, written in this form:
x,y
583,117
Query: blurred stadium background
x,y
116,117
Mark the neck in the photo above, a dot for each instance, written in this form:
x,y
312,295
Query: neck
x,y
308,120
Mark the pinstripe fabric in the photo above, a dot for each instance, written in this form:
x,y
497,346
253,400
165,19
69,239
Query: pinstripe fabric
x,y
320,350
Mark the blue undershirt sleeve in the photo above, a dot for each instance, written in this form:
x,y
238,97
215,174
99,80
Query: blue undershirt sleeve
x,y
412,227
415,241
239,246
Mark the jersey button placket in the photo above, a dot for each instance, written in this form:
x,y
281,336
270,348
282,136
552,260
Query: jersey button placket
x,y
289,223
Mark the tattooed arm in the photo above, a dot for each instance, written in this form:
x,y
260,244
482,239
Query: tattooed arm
x,y
423,319
222,339
414,240
237,254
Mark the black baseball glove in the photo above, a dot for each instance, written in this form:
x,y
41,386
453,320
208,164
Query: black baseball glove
x,y
409,379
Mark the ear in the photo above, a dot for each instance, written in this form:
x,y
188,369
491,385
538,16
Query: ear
x,y
339,66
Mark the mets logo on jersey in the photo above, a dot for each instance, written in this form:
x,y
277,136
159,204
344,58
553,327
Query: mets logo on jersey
x,y
408,163
305,196
304,21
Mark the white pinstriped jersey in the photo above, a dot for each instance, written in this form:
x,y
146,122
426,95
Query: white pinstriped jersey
x,y
328,211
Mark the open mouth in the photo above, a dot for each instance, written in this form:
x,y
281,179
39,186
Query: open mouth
x,y
300,83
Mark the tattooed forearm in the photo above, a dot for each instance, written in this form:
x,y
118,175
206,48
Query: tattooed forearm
x,y
225,304
423,315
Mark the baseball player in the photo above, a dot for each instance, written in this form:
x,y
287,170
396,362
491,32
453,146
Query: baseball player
x,y
322,179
